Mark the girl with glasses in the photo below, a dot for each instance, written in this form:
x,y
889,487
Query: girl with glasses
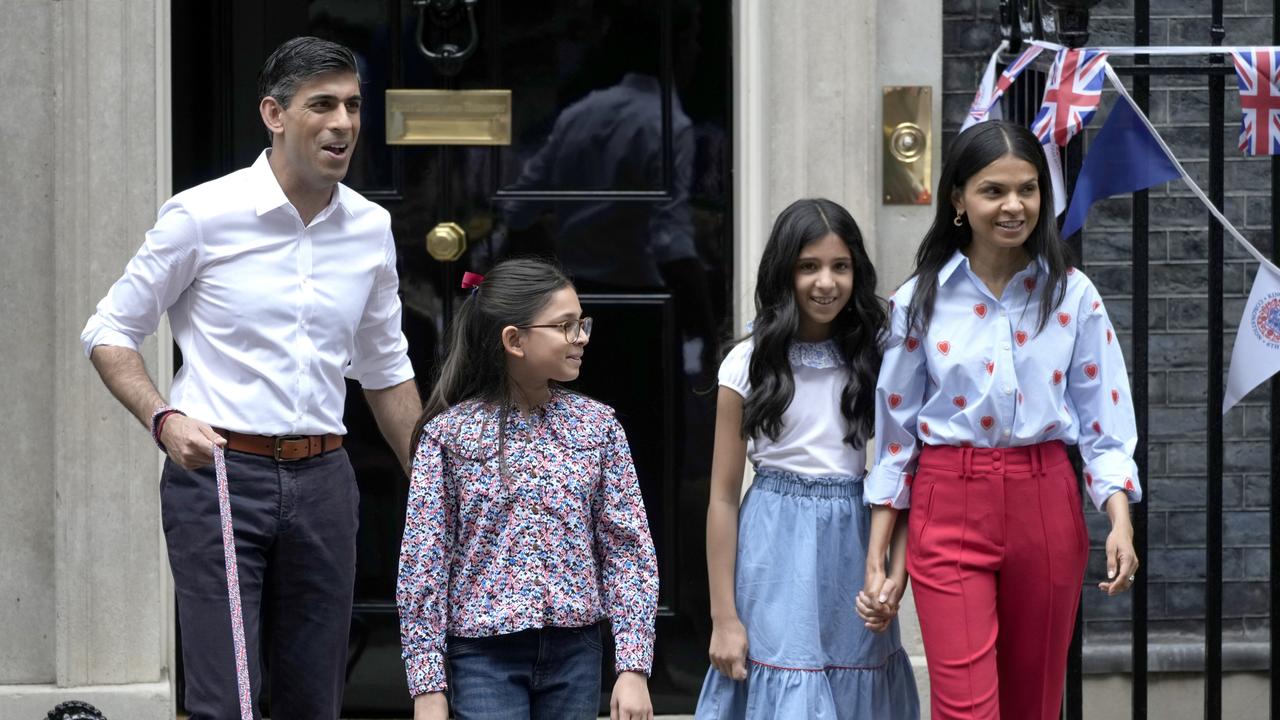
x,y
525,527
796,399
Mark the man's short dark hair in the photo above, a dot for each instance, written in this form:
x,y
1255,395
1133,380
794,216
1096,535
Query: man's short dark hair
x,y
298,60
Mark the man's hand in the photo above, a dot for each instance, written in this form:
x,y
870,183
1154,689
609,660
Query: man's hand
x,y
431,706
630,699
189,442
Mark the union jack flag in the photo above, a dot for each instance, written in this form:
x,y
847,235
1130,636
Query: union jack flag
x,y
1259,101
1071,95
991,90
1015,69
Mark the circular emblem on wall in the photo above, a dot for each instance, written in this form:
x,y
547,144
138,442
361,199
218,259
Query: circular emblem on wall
x,y
1266,320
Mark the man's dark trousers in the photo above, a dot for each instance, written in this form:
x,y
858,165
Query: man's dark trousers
x,y
295,527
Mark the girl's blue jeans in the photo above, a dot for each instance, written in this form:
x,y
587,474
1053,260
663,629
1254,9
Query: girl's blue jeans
x,y
541,674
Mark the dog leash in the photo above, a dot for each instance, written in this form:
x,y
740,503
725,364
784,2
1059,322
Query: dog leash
x,y
233,585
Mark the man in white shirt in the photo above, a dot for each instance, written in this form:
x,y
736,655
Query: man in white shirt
x,y
279,282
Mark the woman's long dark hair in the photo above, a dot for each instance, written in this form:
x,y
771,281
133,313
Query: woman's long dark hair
x,y
973,150
475,366
856,329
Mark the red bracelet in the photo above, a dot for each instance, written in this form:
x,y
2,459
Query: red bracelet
x,y
158,419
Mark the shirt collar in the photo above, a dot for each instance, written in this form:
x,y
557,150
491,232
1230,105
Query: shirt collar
x,y
957,259
271,195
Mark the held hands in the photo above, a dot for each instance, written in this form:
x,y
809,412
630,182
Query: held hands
x,y
729,649
187,441
431,706
630,699
878,601
1122,561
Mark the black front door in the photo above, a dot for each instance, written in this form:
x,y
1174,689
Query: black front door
x,y
618,166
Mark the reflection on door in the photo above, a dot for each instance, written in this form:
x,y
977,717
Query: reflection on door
x,y
618,168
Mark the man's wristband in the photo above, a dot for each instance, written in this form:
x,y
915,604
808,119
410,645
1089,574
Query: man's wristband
x,y
161,414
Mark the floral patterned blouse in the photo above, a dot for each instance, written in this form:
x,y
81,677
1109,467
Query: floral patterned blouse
x,y
557,538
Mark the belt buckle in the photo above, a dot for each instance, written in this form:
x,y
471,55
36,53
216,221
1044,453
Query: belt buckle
x,y
280,440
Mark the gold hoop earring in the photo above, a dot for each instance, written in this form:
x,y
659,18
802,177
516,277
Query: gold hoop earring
x,y
959,220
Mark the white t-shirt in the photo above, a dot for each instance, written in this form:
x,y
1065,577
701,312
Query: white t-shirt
x,y
811,441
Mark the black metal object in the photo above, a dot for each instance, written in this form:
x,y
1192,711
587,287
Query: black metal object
x,y
1139,362
447,57
1213,510
1071,17
1275,437
75,710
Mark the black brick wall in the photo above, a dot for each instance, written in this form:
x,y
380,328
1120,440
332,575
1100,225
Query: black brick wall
x,y
1178,246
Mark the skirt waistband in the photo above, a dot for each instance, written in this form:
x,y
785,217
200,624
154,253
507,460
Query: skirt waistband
x,y
819,486
1027,458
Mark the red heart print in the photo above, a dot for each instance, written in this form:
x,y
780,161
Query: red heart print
x,y
980,310
1128,484
887,503
1108,336
1115,397
1097,304
895,448
1057,377
1029,284
1064,319
912,344
959,401
1050,428
1019,397
924,428
991,367
1091,370
944,347
1097,427
987,421
1020,337
894,401
1088,479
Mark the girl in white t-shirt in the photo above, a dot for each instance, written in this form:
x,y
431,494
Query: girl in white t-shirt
x,y
796,398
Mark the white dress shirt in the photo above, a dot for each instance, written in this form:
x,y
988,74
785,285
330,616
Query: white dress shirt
x,y
983,376
270,314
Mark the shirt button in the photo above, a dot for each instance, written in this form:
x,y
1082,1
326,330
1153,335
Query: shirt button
x,y
1005,346
1006,432
1007,390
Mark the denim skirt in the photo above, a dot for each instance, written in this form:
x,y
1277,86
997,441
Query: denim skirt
x,y
801,557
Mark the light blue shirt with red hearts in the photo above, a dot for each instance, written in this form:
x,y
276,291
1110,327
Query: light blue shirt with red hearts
x,y
985,375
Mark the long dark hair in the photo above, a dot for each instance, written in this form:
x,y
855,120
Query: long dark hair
x,y
856,329
475,366
973,150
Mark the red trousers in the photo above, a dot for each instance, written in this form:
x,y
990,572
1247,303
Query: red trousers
x,y
996,553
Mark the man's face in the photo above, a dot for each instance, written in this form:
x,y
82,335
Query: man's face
x,y
317,131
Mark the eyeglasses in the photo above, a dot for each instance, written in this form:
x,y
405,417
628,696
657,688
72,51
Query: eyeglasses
x,y
571,328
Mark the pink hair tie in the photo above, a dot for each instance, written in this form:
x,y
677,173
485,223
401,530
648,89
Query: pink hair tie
x,y
471,281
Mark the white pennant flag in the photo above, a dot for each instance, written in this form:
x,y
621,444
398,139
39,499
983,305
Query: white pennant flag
x,y
981,108
1256,354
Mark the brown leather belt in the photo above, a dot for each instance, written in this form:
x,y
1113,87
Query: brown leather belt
x,y
281,448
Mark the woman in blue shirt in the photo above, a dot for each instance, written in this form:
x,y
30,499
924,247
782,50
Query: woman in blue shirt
x,y
999,355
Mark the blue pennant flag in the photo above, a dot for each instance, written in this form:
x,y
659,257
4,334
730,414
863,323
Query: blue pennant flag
x,y
1124,157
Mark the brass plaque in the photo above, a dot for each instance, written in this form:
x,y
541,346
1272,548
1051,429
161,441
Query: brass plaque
x,y
448,117
907,125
